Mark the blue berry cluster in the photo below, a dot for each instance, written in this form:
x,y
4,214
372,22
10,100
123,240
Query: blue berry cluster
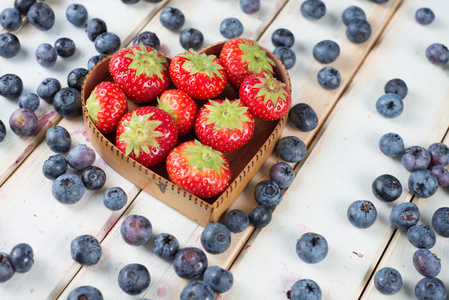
x,y
19,260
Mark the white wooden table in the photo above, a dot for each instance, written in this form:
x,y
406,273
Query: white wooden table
x,y
343,157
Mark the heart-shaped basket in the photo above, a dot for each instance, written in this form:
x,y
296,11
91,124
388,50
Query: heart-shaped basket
x,y
244,162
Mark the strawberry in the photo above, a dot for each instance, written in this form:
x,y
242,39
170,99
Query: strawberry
x,y
106,105
199,169
243,57
266,97
141,72
147,134
181,108
199,75
224,125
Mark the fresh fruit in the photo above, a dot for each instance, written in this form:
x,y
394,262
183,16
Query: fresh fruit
x,y
312,248
362,214
304,289
358,31
147,134
58,139
303,117
286,55
441,174
236,220
54,166
180,107
243,57
65,47
391,144
165,245
107,43
67,102
147,38
41,16
291,149
421,236
219,279
46,55
68,188
48,88
11,86
437,54
9,45
140,72
23,5
439,154
199,169
266,97
22,258
326,51
81,157
422,183
106,105
94,28
85,292
23,122
93,178
115,198
85,250
75,78
76,14
215,238
30,101
424,16
6,268
136,230
426,263
197,289
224,125
396,86
430,288
386,188
415,158
10,19
282,173
172,18
231,28
388,281
313,9
134,279
190,263
390,106
440,221
329,78
404,215
352,13
282,37
267,193
250,6
95,60
260,216
2,131
191,38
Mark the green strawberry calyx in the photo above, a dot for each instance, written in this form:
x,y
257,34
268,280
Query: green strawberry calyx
x,y
141,133
203,63
165,106
146,62
203,156
271,89
257,58
92,106
226,114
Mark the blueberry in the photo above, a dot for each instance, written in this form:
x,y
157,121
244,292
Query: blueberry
x,y
440,221
304,289
65,47
282,173
379,1
76,14
58,139
441,174
94,28
391,144
9,45
396,86
41,16
134,279
313,9
268,193
329,78
46,55
362,214
153,1
6,268
11,86
81,157
424,16
326,51
358,31
48,88
421,236
236,220
191,38
67,102
231,28
115,198
94,60
172,18
136,230
23,122
22,258
430,289
23,5
147,38
438,54
128,2
312,248
439,154
93,178
215,238
86,250
390,106
76,77
282,37
352,13
426,263
404,215
29,100
54,166
107,43
2,131
260,216
190,263
250,6
68,188
10,19
286,55
85,292
165,245
386,188
303,117
422,183
219,279
197,289
291,149
388,281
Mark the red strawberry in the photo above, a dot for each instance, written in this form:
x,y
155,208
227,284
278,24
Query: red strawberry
x,y
106,105
224,125
243,57
266,97
181,107
199,169
141,72
147,134
199,75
